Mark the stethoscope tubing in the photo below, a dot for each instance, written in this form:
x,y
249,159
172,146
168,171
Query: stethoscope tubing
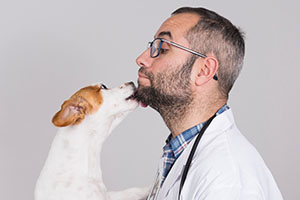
x,y
186,167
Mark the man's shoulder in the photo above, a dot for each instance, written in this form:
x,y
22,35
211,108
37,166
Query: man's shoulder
x,y
226,158
224,143
227,151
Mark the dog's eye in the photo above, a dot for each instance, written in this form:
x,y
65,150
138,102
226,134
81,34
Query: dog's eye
x,y
103,87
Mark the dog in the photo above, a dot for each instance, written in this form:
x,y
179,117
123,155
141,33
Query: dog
x,y
72,170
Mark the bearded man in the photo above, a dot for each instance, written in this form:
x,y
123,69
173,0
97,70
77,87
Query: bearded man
x,y
186,74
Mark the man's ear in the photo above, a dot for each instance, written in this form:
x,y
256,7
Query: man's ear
x,y
205,69
72,112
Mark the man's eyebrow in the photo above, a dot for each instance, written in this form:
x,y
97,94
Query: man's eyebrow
x,y
165,33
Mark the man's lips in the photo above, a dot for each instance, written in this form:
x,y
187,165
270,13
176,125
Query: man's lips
x,y
141,75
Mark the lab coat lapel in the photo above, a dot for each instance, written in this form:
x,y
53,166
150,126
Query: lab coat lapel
x,y
174,176
172,181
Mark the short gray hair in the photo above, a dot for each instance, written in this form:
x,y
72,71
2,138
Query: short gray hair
x,y
216,34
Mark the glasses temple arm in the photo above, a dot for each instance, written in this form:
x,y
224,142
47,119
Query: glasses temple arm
x,y
186,49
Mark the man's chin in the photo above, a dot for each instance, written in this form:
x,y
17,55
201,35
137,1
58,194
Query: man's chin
x,y
144,82
142,87
142,94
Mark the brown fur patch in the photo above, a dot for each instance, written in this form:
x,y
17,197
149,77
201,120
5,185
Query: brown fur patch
x,y
85,101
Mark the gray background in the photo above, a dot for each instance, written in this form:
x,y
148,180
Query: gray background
x,y
51,48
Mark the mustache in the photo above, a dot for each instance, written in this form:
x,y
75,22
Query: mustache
x,y
146,73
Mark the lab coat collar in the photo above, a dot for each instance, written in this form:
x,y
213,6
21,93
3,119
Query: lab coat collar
x,y
218,125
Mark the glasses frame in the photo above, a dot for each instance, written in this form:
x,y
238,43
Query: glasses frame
x,y
174,44
150,44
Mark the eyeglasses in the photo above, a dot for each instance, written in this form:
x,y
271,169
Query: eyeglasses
x,y
156,44
155,49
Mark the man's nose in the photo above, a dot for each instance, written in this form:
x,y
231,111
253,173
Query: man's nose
x,y
144,60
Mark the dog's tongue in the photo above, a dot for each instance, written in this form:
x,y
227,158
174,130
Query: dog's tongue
x,y
143,105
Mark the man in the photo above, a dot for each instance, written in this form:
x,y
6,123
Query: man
x,y
186,75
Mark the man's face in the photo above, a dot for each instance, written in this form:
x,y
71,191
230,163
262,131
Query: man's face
x,y
165,80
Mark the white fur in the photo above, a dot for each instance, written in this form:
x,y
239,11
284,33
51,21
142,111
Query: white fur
x,y
73,170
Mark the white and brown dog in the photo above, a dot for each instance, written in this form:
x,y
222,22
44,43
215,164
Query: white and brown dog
x,y
72,170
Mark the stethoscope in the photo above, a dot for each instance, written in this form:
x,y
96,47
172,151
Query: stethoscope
x,y
158,178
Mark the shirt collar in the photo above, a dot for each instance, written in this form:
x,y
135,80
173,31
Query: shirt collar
x,y
179,143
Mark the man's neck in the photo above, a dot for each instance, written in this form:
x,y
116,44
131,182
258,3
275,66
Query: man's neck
x,y
193,115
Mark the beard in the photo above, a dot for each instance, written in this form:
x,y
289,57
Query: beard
x,y
169,93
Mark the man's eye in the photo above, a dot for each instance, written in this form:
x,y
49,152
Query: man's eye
x,y
163,51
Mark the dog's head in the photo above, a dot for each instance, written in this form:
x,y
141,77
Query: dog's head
x,y
96,102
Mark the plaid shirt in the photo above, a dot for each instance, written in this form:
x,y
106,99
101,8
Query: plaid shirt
x,y
175,146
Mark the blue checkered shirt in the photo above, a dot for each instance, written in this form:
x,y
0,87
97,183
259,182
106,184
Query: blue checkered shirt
x,y
175,146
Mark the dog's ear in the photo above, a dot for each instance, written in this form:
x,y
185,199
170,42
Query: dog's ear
x,y
72,112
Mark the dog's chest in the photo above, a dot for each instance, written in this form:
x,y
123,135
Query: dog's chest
x,y
72,171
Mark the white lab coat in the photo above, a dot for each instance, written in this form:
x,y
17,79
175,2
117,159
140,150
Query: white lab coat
x,y
225,167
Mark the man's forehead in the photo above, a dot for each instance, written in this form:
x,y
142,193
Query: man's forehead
x,y
177,25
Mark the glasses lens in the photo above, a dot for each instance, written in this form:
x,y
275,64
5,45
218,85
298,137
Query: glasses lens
x,y
155,48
